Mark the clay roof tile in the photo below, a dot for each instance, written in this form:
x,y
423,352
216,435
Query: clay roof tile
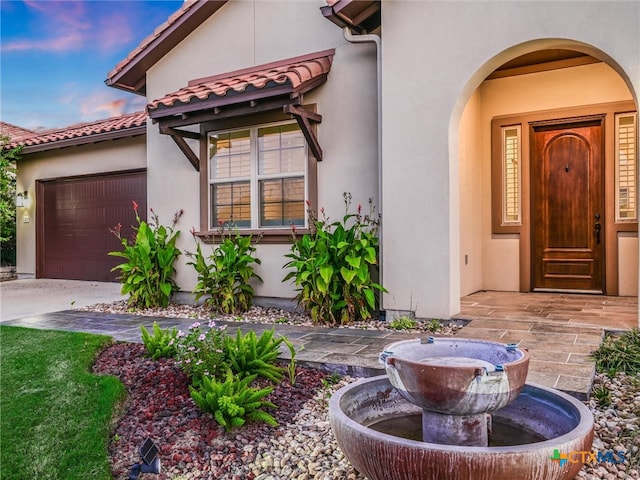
x,y
298,73
82,130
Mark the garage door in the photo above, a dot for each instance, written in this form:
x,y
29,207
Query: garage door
x,y
74,216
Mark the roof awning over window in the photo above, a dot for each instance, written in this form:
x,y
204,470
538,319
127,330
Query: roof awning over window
x,y
278,85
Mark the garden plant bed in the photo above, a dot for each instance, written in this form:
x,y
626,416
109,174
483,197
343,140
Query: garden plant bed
x,y
193,446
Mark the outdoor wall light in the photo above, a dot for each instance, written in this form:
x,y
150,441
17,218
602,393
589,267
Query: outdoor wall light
x,y
149,463
22,198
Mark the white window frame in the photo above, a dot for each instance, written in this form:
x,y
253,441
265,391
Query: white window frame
x,y
504,176
627,188
255,177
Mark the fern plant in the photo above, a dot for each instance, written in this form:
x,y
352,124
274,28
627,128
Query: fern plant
x,y
233,402
162,344
252,355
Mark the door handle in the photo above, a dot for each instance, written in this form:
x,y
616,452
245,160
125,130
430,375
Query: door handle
x,y
598,227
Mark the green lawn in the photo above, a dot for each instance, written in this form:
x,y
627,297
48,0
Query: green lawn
x,y
54,414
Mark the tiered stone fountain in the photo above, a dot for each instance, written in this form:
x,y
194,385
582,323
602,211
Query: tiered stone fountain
x,y
458,409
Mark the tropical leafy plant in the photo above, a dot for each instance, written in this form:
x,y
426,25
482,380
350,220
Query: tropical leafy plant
x,y
225,275
146,275
232,402
162,344
249,354
200,353
332,266
619,354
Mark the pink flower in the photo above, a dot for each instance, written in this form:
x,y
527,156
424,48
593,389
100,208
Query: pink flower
x,y
135,206
202,337
308,202
194,325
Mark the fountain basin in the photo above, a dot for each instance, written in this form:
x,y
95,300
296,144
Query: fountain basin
x,y
563,423
456,376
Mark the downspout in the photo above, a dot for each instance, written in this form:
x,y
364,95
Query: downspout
x,y
371,38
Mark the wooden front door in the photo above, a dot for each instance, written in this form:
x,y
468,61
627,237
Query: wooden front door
x,y
568,206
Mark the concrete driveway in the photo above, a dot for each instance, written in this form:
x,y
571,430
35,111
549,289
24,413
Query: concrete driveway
x,y
27,298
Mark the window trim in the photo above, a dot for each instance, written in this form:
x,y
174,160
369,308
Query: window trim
x,y
618,188
267,235
518,180
498,197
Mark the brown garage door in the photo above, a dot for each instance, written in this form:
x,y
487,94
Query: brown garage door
x,y
74,216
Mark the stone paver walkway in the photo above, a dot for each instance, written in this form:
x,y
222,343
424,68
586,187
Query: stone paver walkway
x,y
560,332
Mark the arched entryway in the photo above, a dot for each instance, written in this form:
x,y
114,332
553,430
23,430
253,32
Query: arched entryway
x,y
547,154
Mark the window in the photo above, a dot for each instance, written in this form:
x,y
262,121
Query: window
x,y
511,175
257,177
626,166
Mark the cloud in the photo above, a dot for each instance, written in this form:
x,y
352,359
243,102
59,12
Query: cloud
x,y
106,104
70,42
64,26
113,31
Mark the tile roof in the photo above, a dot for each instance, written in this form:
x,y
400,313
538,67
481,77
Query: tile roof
x,y
14,132
90,132
130,73
296,75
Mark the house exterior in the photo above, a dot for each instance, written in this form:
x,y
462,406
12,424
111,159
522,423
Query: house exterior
x,y
78,182
498,139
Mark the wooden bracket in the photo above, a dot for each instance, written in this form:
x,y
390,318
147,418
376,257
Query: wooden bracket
x,y
178,137
304,119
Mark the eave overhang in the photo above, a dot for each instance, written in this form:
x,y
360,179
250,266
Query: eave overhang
x,y
131,73
278,85
361,16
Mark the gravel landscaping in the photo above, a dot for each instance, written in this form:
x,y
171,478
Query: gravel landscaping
x,y
193,446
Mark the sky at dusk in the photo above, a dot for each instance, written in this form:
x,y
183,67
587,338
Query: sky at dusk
x,y
55,56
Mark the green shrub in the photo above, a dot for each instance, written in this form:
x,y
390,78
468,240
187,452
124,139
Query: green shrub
x,y
403,323
250,355
162,344
233,401
619,354
332,266
146,273
224,276
201,353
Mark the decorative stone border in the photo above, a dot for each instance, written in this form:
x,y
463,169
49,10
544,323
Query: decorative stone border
x,y
8,273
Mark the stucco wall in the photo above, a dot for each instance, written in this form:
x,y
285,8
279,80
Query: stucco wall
x,y
435,55
471,189
243,34
104,157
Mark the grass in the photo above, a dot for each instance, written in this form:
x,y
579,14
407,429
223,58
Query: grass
x,y
55,415
619,354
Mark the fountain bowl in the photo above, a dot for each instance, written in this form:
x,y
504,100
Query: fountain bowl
x,y
455,376
563,424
